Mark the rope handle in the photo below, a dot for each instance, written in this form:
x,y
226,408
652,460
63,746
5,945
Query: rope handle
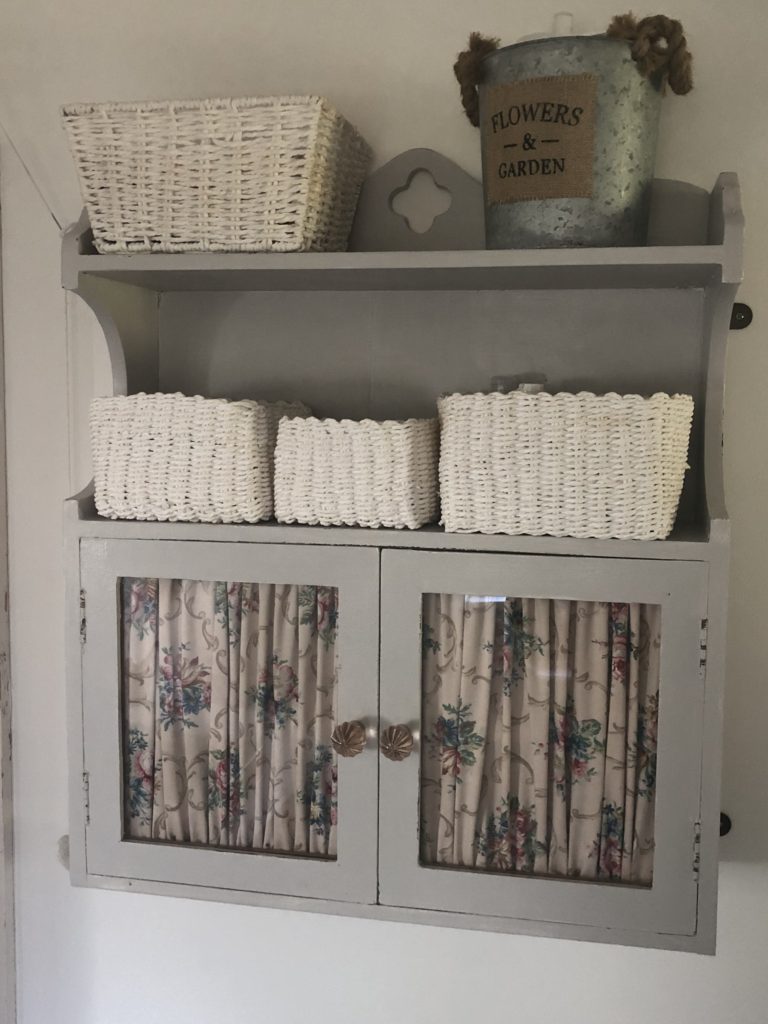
x,y
469,73
658,47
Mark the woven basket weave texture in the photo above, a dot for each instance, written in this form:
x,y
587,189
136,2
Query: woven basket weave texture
x,y
279,173
172,457
566,465
345,472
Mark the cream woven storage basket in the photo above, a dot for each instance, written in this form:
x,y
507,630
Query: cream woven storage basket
x,y
171,457
567,465
344,472
278,173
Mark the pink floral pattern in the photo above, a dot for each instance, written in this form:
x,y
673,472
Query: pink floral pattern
x,y
229,705
540,719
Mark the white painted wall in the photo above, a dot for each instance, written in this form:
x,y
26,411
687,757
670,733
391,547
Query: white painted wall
x,y
90,957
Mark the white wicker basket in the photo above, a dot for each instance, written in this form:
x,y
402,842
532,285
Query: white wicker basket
x,y
278,173
344,472
171,457
566,465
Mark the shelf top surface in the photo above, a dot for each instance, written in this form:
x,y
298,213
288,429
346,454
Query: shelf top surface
x,y
685,543
476,270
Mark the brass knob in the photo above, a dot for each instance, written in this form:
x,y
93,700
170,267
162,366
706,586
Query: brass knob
x,y
396,742
348,739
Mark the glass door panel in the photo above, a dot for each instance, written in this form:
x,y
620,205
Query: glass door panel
x,y
539,724
228,709
214,677
557,709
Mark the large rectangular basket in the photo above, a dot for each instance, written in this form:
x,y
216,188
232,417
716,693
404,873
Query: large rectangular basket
x,y
172,457
567,465
345,472
275,173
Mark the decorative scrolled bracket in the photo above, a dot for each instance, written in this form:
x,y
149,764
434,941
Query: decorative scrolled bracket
x,y
127,314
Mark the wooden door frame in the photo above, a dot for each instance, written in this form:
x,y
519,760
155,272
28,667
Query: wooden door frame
x,y
680,588
351,875
7,914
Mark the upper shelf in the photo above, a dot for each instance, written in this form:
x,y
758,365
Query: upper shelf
x,y
658,267
652,266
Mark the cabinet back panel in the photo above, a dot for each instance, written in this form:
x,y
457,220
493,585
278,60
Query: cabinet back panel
x,y
390,354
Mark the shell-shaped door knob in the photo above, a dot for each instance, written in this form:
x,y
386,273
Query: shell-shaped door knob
x,y
348,739
396,742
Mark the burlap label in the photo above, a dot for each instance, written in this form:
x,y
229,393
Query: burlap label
x,y
538,138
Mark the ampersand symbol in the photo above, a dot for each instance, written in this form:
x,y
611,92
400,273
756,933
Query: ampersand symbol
x,y
529,141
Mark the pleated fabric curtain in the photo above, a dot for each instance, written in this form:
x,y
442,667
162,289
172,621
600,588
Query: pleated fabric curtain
x,y
540,722
228,709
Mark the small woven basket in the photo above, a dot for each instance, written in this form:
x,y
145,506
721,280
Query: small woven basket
x,y
344,472
276,173
566,465
170,457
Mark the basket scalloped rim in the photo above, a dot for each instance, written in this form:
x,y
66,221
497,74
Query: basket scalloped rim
x,y
228,402
544,395
210,103
332,423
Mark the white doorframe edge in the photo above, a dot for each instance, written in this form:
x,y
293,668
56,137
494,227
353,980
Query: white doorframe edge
x,y
7,910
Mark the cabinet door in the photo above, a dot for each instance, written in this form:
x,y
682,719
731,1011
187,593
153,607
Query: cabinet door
x,y
213,678
557,706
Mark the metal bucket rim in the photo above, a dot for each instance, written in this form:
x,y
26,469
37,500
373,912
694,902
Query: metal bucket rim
x,y
552,39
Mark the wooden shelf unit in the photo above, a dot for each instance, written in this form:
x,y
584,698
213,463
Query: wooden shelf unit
x,y
408,326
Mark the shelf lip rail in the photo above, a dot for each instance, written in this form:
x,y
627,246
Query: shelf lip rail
x,y
718,261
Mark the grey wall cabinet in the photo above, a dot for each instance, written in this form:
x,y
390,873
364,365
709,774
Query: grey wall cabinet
x,y
381,334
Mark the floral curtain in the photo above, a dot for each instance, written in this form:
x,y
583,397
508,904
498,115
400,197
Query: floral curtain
x,y
539,752
228,705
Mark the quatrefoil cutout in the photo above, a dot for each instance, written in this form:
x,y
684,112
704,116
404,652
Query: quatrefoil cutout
x,y
420,201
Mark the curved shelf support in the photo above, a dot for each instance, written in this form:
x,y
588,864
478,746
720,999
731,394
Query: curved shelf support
x,y
717,313
127,315
726,228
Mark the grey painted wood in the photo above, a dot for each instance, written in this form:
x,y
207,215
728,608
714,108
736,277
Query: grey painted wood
x,y
440,918
230,892
651,267
714,670
688,544
726,225
352,875
128,316
654,266
7,908
411,325
679,211
393,353
681,590
382,362
379,228
717,318
74,680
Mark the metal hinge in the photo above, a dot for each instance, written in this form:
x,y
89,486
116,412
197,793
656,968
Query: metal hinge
x,y
83,627
87,797
696,850
703,648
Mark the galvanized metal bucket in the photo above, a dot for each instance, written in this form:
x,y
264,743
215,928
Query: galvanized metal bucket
x,y
607,206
